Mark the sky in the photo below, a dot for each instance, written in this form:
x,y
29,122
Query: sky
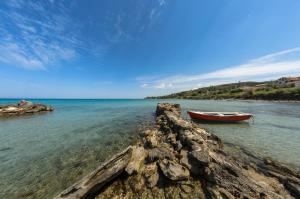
x,y
139,48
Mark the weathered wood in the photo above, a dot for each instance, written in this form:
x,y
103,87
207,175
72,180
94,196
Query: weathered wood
x,y
93,182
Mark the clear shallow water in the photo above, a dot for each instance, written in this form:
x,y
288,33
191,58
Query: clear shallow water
x,y
43,154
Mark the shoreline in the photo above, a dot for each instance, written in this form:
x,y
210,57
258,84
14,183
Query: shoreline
x,y
258,100
177,157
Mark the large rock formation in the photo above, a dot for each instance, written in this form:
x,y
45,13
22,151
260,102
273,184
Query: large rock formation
x,y
178,159
23,108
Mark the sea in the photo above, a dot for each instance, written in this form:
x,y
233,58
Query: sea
x,y
42,154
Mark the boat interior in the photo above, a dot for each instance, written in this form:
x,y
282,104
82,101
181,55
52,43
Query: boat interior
x,y
220,113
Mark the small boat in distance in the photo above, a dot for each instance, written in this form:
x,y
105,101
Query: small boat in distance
x,y
220,116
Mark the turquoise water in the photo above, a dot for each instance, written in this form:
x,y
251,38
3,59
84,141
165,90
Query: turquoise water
x,y
41,155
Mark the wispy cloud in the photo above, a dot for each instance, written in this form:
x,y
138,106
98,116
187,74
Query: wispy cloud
x,y
162,2
155,12
34,37
120,32
12,53
130,25
263,68
37,34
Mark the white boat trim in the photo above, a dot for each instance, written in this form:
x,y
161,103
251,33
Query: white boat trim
x,y
223,114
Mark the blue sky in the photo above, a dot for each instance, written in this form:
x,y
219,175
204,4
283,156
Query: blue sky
x,y
138,48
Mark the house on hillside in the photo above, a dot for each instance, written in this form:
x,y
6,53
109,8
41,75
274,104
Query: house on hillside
x,y
260,86
254,88
285,81
297,84
247,88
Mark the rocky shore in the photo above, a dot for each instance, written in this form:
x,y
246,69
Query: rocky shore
x,y
23,108
177,159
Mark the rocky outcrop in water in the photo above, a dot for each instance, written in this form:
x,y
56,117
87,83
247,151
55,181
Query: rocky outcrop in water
x,y
177,159
23,108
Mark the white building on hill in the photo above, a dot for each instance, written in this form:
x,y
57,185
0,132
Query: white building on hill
x,y
285,81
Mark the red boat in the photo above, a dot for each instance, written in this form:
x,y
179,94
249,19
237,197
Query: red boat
x,y
220,116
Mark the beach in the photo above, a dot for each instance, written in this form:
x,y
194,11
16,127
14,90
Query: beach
x,y
50,152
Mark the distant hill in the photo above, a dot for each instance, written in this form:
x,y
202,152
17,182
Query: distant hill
x,y
268,90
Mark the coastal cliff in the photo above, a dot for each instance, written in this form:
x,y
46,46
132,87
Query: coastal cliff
x,y
178,159
23,108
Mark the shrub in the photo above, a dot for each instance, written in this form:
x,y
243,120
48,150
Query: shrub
x,y
237,90
247,94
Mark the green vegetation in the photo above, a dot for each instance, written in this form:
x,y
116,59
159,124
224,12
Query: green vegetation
x,y
241,90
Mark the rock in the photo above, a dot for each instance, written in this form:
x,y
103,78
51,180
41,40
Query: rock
x,y
151,138
201,156
11,109
192,139
190,163
186,188
172,192
293,188
220,193
171,138
137,159
160,154
173,170
25,104
151,175
184,160
162,107
178,146
137,183
23,108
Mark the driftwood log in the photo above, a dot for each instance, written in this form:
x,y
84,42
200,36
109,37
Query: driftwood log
x,y
92,183
177,159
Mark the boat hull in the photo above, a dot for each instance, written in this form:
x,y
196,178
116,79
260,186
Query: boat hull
x,y
217,118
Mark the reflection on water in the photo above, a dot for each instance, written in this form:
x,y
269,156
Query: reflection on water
x,y
274,131
220,123
43,154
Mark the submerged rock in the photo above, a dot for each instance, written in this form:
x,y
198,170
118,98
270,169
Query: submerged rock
x,y
180,160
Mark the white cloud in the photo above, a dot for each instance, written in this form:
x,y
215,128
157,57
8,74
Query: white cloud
x,y
274,56
38,39
147,78
156,12
164,85
152,13
263,68
14,3
162,2
13,54
120,32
